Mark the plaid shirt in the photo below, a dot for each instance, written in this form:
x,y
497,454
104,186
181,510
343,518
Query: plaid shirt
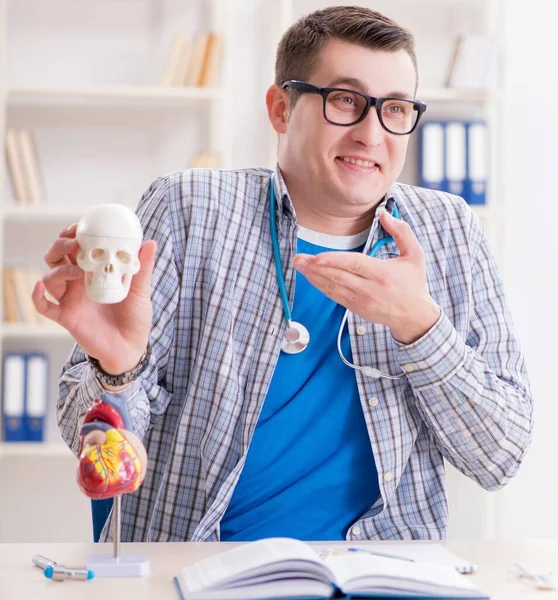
x,y
215,339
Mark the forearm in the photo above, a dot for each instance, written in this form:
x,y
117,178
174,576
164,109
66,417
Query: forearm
x,y
78,388
481,419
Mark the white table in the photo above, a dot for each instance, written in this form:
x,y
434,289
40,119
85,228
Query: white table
x,y
20,579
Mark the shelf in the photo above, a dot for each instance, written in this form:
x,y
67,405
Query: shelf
x,y
34,449
457,96
23,331
40,213
115,96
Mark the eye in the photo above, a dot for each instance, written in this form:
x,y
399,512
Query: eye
x,y
97,254
123,257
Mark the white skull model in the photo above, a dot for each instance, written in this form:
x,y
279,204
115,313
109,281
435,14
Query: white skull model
x,y
109,239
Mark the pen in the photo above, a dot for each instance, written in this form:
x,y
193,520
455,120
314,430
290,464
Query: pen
x,y
59,573
42,561
376,553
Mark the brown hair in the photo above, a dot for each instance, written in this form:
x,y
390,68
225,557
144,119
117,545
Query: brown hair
x,y
299,48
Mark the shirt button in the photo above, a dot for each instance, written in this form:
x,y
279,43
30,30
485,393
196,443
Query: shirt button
x,y
409,368
361,330
388,476
373,402
356,530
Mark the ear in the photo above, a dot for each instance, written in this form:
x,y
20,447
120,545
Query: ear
x,y
277,102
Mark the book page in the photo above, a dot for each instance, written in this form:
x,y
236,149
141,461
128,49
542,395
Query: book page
x,y
359,572
430,552
275,557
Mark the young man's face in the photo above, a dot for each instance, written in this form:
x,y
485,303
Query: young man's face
x,y
321,153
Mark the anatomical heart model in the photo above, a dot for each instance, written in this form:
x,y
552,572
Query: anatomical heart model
x,y
112,462
109,239
112,459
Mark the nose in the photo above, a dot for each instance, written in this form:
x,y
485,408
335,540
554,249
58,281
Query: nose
x,y
369,132
108,268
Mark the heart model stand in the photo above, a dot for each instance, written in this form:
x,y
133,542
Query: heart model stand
x,y
112,461
117,564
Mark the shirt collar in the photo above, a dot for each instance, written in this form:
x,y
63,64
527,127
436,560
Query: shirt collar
x,y
285,206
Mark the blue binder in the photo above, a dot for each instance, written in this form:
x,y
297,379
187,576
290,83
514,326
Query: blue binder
x,y
432,160
477,162
456,157
36,395
13,398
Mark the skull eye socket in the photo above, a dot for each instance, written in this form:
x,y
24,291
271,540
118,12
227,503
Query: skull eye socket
x,y
123,257
97,254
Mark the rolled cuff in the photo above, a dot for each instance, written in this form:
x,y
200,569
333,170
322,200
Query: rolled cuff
x,y
435,357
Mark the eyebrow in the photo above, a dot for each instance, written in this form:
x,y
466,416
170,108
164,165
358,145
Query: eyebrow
x,y
359,85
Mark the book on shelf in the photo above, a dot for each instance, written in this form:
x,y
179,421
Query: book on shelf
x,y
289,568
18,284
473,66
205,160
193,63
24,170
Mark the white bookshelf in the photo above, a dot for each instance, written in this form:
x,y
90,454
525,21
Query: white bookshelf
x,y
86,77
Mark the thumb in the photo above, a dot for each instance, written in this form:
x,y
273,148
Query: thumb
x,y
141,282
402,234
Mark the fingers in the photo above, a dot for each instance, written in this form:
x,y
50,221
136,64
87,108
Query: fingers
x,y
56,279
402,234
63,251
42,305
353,262
69,232
333,289
55,283
141,282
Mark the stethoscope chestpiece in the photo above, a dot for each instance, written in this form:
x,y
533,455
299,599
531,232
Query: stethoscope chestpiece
x,y
296,338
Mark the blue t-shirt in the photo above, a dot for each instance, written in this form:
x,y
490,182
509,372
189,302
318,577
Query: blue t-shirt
x,y
310,471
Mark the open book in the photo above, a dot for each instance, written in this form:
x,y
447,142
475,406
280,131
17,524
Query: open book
x,y
289,568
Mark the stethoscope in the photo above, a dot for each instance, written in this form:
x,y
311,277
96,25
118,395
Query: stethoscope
x,y
297,337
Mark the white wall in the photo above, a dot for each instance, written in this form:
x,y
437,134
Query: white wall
x,y
527,507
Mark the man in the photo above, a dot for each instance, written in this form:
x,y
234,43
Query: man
x,y
245,440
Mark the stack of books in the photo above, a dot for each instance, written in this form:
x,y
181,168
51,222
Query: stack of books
x,y
23,167
18,284
193,63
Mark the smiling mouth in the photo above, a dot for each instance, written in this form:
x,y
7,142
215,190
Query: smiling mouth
x,y
358,163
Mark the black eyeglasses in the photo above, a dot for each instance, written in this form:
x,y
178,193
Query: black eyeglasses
x,y
346,107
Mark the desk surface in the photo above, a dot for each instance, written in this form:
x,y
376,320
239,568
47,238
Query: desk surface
x,y
19,578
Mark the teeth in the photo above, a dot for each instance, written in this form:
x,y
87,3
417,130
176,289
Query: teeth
x,y
357,161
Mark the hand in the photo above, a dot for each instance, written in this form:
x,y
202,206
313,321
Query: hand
x,y
115,334
392,292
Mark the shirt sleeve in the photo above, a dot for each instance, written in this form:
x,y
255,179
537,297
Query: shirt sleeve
x,y
474,394
147,396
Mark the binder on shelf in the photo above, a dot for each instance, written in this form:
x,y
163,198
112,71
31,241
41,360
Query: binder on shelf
x,y
13,398
432,155
477,163
36,395
456,157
